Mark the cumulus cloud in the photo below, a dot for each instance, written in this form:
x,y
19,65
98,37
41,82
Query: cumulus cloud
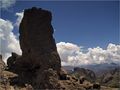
x,y
72,54
8,41
19,18
6,3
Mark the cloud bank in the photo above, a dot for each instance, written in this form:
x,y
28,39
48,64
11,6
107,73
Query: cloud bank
x,y
71,54
6,3
8,41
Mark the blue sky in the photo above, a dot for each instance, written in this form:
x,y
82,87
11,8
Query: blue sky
x,y
85,23
86,32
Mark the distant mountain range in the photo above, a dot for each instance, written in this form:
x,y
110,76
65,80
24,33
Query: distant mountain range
x,y
97,68
106,74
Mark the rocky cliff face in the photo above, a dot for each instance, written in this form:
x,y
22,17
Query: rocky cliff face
x,y
88,74
111,78
39,52
36,40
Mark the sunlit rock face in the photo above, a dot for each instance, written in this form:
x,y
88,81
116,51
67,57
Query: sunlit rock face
x,y
2,65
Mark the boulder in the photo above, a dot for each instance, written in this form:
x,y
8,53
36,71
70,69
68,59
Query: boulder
x,y
37,42
11,61
81,79
63,74
96,86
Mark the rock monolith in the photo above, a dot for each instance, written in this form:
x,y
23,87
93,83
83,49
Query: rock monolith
x,y
39,52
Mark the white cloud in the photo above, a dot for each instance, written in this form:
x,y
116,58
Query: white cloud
x,y
6,3
72,54
8,41
19,18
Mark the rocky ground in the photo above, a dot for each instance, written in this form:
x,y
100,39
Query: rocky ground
x,y
10,81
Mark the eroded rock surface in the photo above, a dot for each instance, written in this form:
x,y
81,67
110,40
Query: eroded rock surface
x,y
11,60
2,64
36,40
88,74
39,52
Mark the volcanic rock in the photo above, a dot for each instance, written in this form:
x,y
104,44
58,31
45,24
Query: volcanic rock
x,y
37,42
11,61
63,74
96,86
81,79
88,74
39,52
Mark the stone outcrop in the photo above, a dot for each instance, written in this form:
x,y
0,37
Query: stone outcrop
x,y
81,79
37,42
11,60
86,73
39,52
111,78
96,86
63,74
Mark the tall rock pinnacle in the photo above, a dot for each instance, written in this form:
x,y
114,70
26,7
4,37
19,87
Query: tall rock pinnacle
x,y
36,39
40,60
